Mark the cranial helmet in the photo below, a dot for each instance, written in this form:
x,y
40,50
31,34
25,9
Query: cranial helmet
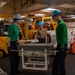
x,y
41,23
55,12
17,16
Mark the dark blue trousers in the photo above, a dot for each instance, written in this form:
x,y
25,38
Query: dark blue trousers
x,y
14,58
41,40
58,67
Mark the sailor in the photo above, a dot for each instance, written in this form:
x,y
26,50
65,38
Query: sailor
x,y
58,67
41,33
13,40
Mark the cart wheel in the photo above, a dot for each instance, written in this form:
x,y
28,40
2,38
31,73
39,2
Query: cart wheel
x,y
2,53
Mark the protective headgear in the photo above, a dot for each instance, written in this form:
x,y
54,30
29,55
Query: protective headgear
x,y
17,16
41,23
55,12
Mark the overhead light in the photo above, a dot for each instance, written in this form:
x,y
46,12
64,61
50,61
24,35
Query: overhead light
x,y
31,19
48,9
23,16
39,15
1,19
73,17
70,15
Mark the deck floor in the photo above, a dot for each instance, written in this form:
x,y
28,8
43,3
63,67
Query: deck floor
x,y
70,67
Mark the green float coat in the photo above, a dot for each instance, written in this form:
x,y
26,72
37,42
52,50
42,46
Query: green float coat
x,y
13,32
61,33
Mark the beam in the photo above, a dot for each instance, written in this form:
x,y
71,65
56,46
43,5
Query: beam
x,y
24,3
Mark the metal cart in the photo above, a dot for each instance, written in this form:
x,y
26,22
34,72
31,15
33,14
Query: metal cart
x,y
36,56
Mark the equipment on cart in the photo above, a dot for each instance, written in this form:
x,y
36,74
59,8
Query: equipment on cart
x,y
36,56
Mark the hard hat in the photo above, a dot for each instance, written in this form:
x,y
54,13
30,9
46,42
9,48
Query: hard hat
x,y
17,16
40,23
55,12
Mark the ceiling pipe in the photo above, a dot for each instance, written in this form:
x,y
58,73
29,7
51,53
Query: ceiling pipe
x,y
26,2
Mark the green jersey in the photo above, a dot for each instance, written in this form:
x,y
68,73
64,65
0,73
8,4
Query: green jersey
x,y
61,33
13,32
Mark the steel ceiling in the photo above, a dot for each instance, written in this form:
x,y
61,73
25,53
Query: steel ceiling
x,y
34,6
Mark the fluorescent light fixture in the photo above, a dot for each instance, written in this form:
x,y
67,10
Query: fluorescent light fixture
x,y
39,14
73,17
48,9
23,16
1,19
31,19
23,20
70,15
